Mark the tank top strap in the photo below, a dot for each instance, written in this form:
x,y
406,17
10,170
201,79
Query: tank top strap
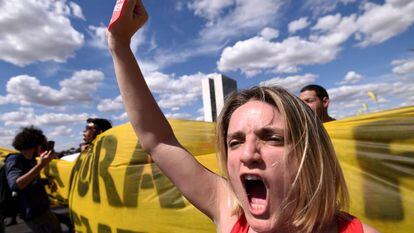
x,y
241,225
349,224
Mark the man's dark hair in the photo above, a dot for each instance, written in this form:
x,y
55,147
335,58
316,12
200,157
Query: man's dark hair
x,y
100,123
320,91
28,138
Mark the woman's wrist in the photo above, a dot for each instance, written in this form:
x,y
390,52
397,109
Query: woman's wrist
x,y
117,44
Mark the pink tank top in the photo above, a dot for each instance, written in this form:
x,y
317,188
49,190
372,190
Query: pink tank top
x,y
349,225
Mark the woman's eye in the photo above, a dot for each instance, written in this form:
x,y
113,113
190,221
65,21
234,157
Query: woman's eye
x,y
276,140
233,143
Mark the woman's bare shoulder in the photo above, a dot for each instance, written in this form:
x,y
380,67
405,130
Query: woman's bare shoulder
x,y
226,217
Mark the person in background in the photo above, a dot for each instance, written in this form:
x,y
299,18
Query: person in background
x,y
23,177
94,126
317,98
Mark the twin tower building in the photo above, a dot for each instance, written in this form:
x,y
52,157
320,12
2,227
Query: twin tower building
x,y
215,91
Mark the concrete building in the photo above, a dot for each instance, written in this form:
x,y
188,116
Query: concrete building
x,y
215,91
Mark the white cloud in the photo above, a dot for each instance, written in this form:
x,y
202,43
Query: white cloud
x,y
381,22
233,21
34,30
178,100
171,92
402,67
121,117
245,17
76,10
98,34
375,24
108,105
60,131
200,110
4,100
200,113
351,77
327,23
346,100
297,25
27,116
178,115
139,38
60,118
6,137
176,92
254,55
209,9
81,85
269,33
292,83
161,83
199,118
27,90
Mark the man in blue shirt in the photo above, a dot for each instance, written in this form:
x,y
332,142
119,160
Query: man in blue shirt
x,y
23,177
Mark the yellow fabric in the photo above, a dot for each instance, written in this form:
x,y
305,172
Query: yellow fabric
x,y
376,152
4,152
116,188
60,171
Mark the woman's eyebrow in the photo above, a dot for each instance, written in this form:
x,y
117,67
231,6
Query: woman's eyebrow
x,y
269,130
236,134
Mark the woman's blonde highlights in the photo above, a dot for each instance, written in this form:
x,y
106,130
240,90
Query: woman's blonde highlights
x,y
318,189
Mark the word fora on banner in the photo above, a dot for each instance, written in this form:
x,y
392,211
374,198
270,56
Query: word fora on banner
x,y
89,168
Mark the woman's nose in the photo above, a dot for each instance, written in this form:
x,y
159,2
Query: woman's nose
x,y
251,152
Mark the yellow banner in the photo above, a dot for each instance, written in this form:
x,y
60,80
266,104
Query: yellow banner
x,y
61,173
116,188
4,152
376,152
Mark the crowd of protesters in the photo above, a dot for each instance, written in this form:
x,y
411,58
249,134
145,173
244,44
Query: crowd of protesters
x,y
23,168
255,128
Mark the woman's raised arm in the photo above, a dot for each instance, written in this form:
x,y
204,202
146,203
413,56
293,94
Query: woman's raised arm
x,y
198,184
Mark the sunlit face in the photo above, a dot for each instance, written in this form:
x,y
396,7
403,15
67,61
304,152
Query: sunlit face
x,y
257,163
313,101
89,133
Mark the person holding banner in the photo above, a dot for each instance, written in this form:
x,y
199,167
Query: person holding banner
x,y
94,127
280,169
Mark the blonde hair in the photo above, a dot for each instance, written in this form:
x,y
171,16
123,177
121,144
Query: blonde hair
x,y
320,188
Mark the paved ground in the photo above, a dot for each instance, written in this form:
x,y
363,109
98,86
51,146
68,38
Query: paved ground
x,y
21,227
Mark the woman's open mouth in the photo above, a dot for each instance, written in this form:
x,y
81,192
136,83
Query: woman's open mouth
x,y
256,191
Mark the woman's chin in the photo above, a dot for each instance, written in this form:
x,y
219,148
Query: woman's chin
x,y
262,225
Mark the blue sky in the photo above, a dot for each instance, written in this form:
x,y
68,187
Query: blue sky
x,y
55,70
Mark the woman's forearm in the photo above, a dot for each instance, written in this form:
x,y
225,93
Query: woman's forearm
x,y
145,115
